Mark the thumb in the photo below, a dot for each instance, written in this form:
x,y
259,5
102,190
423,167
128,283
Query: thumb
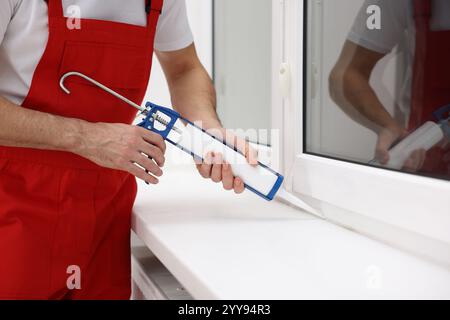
x,y
382,149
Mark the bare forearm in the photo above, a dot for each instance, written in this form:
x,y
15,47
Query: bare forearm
x,y
21,127
351,90
194,96
191,88
353,93
115,146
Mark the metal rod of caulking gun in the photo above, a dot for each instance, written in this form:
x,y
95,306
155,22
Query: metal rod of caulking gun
x,y
101,86
143,110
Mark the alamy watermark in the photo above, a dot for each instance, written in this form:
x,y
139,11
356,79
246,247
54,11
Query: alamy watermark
x,y
235,146
74,279
73,14
374,278
374,18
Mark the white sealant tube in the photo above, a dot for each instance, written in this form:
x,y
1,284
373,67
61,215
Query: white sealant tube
x,y
424,138
260,179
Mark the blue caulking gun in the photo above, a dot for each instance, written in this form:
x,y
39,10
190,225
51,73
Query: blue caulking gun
x,y
194,140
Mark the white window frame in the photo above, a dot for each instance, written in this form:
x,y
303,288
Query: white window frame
x,y
407,211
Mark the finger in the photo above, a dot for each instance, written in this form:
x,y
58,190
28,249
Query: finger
x,y
382,155
227,177
198,161
416,161
153,152
148,165
385,158
385,140
422,157
241,145
216,171
410,165
141,174
238,186
251,155
206,167
153,138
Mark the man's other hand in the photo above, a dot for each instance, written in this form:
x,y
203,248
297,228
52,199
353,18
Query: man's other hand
x,y
387,137
215,168
123,147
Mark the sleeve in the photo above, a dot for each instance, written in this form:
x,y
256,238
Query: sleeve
x,y
6,14
393,26
173,31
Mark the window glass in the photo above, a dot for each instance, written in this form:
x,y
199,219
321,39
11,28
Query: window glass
x,y
378,83
243,66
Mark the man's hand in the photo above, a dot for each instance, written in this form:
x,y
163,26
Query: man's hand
x,y
215,168
124,147
193,95
387,137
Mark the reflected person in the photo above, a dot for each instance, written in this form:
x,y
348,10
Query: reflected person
x,y
420,29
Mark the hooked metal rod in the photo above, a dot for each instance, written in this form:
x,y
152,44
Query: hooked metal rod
x,y
143,110
101,86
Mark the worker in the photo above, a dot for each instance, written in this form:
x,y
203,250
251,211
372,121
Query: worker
x,y
68,162
419,29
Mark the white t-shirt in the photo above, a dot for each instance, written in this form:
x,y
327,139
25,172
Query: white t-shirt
x,y
24,33
398,31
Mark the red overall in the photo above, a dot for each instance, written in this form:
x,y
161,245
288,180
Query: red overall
x,y
60,212
431,83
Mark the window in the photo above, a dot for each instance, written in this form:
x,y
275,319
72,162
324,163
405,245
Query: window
x,y
330,129
368,100
242,61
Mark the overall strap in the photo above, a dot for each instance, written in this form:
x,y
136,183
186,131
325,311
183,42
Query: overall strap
x,y
154,10
155,5
422,14
55,8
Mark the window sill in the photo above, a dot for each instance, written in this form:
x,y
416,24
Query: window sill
x,y
222,246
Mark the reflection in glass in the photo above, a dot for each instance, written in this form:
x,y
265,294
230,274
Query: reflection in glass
x,y
379,83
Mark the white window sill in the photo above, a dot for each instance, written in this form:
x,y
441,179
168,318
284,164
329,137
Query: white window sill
x,y
222,246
